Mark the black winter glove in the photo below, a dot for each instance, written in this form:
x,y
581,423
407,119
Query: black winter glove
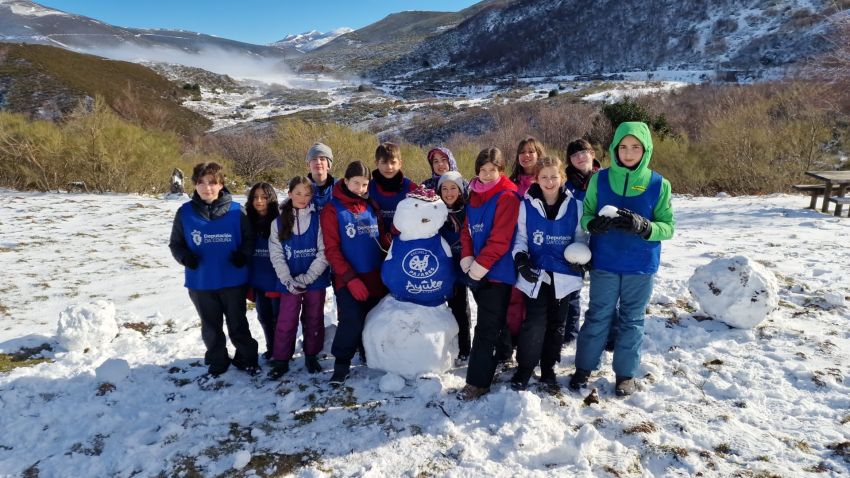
x,y
473,284
633,222
238,259
191,261
580,268
600,225
523,266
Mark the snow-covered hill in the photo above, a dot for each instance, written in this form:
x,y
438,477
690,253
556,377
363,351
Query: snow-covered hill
x,y
311,40
773,401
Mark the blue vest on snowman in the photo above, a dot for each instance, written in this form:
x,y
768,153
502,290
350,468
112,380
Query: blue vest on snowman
x,y
419,271
300,251
213,241
547,239
359,237
619,251
263,276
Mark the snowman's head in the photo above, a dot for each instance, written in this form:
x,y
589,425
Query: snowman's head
x,y
420,215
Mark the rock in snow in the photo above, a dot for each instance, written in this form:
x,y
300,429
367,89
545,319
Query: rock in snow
x,y
87,326
410,339
113,371
737,291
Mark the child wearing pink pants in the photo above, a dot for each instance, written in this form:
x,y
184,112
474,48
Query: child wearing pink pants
x,y
297,253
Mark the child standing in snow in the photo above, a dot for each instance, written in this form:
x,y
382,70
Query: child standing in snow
x,y
213,239
626,254
262,211
549,221
351,230
491,217
388,186
320,159
298,254
441,161
581,166
528,151
451,188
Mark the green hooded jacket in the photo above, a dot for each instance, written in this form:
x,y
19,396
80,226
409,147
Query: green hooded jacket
x,y
633,182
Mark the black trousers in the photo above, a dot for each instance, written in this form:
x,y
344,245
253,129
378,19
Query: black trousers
x,y
542,331
492,299
219,307
351,318
459,305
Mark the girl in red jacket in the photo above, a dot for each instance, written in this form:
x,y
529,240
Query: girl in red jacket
x,y
486,241
352,230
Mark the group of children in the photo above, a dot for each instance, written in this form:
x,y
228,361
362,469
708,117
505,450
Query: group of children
x,y
507,235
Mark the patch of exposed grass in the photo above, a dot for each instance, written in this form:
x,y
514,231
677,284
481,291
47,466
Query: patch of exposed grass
x,y
643,427
141,327
25,357
723,449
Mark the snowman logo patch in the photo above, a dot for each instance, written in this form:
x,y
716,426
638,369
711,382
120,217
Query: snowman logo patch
x,y
420,263
196,237
287,252
350,230
537,237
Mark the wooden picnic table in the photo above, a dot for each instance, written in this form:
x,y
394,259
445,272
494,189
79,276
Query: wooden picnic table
x,y
841,179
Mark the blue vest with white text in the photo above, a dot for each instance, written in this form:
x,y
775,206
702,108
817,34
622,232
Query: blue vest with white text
x,y
622,252
419,271
547,239
480,224
388,203
262,276
300,251
213,241
320,198
358,234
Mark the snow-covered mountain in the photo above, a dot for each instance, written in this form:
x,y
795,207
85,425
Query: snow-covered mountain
x,y
311,40
547,37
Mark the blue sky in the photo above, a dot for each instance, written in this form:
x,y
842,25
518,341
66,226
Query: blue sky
x,y
253,21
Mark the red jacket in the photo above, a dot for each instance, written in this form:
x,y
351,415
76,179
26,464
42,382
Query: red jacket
x,y
343,272
501,236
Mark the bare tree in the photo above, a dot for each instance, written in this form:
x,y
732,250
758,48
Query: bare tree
x,y
252,157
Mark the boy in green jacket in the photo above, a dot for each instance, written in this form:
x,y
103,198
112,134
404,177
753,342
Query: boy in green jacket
x,y
626,254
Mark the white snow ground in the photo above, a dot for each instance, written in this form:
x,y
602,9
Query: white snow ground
x,y
772,401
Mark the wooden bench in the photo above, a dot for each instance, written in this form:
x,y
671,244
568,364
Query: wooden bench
x,y
840,201
815,189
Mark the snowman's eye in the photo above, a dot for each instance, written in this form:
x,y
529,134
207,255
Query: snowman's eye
x,y
416,205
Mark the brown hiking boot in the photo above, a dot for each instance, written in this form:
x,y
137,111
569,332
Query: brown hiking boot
x,y
471,392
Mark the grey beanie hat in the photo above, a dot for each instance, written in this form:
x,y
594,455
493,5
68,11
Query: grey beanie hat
x,y
452,176
321,149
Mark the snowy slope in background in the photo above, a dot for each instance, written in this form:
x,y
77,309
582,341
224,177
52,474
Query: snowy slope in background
x,y
715,401
311,40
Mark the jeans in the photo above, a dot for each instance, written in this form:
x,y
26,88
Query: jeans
x,y
606,288
268,309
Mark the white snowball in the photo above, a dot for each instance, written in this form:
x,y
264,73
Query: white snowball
x,y
112,370
410,339
609,211
417,219
737,291
241,459
577,253
391,383
87,326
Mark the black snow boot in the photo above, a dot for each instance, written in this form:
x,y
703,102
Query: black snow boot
x,y
341,370
579,379
279,368
520,379
312,363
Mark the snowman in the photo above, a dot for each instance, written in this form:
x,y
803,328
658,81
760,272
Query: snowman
x,y
412,331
